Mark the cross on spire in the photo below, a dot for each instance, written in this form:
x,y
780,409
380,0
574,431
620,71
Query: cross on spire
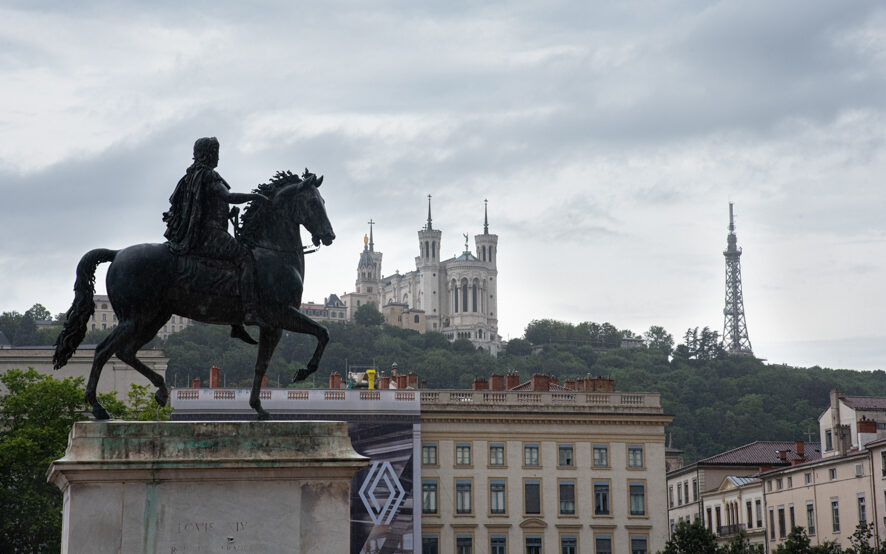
x,y
429,213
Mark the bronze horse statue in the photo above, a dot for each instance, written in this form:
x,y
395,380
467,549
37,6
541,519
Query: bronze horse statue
x,y
147,284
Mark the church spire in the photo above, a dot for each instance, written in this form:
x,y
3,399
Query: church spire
x,y
371,241
485,217
429,213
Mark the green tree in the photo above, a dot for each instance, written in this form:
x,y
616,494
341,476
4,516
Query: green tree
x,y
691,538
36,414
26,334
518,347
659,340
368,315
9,323
798,542
38,312
860,541
739,544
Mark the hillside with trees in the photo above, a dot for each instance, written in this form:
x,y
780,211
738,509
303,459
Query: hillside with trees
x,y
718,402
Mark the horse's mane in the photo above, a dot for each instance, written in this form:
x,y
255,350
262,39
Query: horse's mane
x,y
254,211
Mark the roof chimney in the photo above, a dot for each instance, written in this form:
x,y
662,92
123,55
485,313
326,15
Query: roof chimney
x,y
569,384
497,382
800,448
540,383
214,377
512,380
335,380
195,384
412,380
480,383
782,455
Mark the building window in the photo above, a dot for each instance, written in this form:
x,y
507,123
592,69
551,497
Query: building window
x,y
832,472
474,298
862,512
635,456
429,454
462,454
778,484
496,454
603,544
679,494
463,496
790,482
564,455
532,497
568,544
464,297
429,497
601,455
497,504
791,519
671,496
637,498
810,518
695,490
464,544
750,511
567,498
828,440
530,454
781,531
772,523
769,486
808,477
601,498
638,545
759,508
533,544
835,515
498,544
430,544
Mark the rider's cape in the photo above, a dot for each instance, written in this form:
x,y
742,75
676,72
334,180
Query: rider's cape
x,y
186,206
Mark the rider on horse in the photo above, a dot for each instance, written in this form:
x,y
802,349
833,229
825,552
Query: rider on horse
x,y
197,224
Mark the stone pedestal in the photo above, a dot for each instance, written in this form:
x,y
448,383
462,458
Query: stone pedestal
x,y
206,487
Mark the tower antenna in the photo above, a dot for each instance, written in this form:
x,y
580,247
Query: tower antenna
x,y
485,217
735,327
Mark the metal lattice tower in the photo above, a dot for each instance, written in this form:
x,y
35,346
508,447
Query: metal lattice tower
x,y
735,328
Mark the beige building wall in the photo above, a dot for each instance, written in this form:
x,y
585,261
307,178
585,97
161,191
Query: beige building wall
x,y
839,491
116,375
741,506
553,424
105,318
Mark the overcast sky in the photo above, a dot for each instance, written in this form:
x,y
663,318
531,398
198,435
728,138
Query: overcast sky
x,y
608,139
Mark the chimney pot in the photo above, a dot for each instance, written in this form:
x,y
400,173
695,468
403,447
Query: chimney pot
x,y
214,377
195,384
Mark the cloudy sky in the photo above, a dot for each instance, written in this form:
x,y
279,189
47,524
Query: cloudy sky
x,y
609,139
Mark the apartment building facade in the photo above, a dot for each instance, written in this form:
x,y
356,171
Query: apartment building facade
x,y
498,471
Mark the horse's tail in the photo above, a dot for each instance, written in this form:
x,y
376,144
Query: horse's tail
x,y
77,317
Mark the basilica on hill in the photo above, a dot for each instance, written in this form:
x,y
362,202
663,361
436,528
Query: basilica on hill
x,y
456,297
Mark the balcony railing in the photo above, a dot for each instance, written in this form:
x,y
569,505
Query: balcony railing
x,y
729,530
428,399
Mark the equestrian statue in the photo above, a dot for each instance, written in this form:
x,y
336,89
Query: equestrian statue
x,y
205,274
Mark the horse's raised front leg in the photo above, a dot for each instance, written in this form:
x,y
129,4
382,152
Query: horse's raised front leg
x,y
267,342
298,322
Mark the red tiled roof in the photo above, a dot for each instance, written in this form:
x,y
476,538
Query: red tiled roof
x,y
865,402
763,453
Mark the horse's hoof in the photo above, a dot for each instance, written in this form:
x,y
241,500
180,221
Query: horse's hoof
x,y
161,396
264,416
301,375
100,412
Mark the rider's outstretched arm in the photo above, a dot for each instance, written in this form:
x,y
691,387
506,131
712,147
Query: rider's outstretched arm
x,y
236,197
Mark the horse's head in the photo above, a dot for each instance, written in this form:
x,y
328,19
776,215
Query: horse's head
x,y
303,204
